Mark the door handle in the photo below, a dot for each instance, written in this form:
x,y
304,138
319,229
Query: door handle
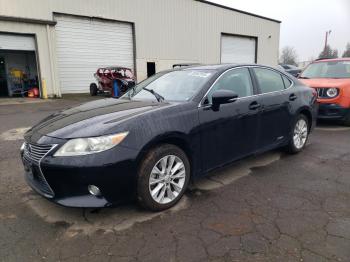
x,y
292,97
254,105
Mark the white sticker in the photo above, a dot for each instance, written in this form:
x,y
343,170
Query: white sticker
x,y
199,74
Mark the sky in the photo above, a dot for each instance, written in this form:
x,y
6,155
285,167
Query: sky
x,y
304,22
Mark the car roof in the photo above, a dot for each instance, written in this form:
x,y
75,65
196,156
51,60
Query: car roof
x,y
332,60
219,67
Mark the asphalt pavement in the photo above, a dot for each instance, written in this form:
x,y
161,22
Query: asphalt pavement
x,y
271,207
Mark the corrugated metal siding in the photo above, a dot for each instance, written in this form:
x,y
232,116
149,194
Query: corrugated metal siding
x,y
167,31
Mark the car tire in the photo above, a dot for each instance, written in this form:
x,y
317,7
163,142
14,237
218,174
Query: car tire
x,y
300,134
93,89
163,177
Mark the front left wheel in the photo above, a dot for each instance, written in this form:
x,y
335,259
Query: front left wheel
x,y
163,177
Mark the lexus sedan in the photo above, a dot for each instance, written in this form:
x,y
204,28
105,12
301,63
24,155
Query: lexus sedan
x,y
171,128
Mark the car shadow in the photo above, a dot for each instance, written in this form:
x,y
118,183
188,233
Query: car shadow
x,y
85,220
331,126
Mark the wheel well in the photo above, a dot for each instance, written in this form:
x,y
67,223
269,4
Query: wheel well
x,y
308,115
176,141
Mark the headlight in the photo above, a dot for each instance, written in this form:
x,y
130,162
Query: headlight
x,y
85,146
332,92
23,147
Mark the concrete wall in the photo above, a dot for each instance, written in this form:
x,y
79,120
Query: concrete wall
x,y
166,31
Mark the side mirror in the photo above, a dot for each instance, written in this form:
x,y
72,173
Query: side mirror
x,y
297,75
223,97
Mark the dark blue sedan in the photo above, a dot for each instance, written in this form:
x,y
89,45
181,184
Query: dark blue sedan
x,y
168,130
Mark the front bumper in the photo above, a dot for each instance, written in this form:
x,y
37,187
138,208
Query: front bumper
x,y
332,111
65,180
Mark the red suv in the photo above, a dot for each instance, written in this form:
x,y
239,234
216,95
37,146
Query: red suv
x,y
331,79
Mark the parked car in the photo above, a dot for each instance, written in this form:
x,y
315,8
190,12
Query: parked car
x,y
169,129
331,79
291,69
109,78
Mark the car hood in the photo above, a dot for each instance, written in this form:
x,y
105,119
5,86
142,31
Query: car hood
x,y
326,82
91,119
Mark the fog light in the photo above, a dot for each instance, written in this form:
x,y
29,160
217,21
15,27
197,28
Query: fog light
x,y
94,190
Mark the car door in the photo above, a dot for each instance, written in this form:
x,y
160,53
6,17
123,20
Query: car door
x,y
275,113
231,131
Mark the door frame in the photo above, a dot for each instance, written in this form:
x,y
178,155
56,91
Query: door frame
x,y
206,107
36,51
7,89
272,93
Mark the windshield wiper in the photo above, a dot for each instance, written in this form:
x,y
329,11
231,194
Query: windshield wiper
x,y
304,77
157,96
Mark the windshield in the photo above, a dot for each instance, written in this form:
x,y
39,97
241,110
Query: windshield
x,y
331,69
173,86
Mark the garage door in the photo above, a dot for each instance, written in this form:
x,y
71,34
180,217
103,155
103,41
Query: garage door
x,y
17,42
237,49
85,44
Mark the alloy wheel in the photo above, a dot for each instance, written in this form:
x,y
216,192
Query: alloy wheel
x,y
167,179
300,133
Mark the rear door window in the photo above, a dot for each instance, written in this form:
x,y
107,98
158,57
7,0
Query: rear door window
x,y
269,80
286,81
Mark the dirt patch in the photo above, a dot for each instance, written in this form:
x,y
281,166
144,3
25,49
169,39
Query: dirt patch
x,y
14,134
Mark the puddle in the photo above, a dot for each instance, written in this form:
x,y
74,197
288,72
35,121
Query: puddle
x,y
77,220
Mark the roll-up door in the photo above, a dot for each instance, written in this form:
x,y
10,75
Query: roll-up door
x,y
238,49
85,44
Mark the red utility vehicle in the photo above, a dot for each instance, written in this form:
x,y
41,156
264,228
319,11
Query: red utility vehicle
x,y
115,80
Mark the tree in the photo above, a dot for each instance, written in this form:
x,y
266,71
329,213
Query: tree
x,y
328,52
347,51
289,56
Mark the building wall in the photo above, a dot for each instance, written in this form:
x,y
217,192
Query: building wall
x,y
166,31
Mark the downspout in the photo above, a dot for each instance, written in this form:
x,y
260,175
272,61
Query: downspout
x,y
53,80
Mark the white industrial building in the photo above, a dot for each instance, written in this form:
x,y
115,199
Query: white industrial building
x,y
61,43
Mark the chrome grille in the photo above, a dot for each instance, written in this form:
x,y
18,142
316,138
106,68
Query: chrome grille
x,y
322,92
35,153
